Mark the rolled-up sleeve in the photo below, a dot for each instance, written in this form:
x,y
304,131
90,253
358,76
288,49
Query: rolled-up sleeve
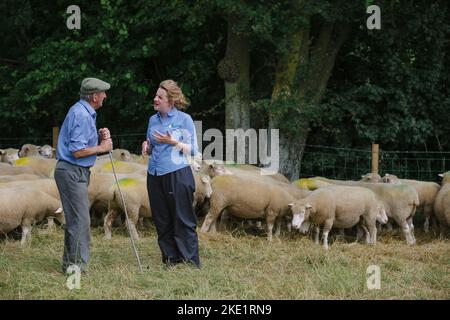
x,y
78,134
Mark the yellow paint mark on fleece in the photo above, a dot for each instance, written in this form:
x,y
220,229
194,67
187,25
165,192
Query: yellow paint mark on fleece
x,y
22,161
125,182
117,165
306,183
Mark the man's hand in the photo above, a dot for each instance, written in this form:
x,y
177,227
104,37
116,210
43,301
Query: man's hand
x,y
106,145
104,134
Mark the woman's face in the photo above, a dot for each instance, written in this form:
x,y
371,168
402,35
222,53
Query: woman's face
x,y
161,102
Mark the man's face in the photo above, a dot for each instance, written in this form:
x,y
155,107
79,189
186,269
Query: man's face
x,y
161,102
98,99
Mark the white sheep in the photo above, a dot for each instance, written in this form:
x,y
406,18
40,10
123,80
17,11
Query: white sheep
x,y
24,207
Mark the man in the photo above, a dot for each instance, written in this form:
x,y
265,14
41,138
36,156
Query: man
x,y
77,149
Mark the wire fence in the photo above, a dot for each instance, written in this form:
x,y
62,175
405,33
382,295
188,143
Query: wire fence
x,y
331,162
351,164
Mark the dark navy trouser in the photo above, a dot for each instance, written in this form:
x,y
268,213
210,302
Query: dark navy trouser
x,y
72,182
171,197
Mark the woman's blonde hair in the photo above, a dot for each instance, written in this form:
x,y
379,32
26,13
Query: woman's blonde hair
x,y
174,93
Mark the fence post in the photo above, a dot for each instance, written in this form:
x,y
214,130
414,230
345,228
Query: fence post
x,y
375,157
55,136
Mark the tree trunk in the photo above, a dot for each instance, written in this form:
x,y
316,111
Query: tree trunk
x,y
234,69
315,64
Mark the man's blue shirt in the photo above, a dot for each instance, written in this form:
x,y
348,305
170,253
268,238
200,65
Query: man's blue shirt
x,y
165,157
79,131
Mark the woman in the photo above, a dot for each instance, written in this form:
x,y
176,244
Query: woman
x,y
170,183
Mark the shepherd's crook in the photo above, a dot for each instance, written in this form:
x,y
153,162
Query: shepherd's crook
x,y
126,214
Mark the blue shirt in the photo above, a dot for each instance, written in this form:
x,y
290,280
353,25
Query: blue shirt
x,y
79,131
165,157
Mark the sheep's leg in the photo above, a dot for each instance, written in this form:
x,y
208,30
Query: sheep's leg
x,y
270,219
133,229
373,234
389,226
289,225
50,223
141,223
26,235
371,230
259,225
326,229
213,227
428,212
278,227
411,228
378,226
359,232
407,232
316,236
107,223
223,222
212,216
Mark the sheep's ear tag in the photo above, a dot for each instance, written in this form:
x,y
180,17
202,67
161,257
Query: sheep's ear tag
x,y
441,175
291,205
59,210
308,206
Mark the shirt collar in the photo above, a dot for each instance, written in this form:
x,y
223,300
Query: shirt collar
x,y
88,107
171,113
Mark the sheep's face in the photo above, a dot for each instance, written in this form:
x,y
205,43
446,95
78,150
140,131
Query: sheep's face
x,y
195,162
59,214
46,151
390,178
26,148
300,213
121,155
9,156
206,180
381,213
445,177
218,170
371,177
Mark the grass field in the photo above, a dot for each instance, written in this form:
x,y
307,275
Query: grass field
x,y
236,265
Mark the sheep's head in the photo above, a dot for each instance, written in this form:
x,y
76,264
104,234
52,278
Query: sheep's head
x,y
206,180
9,155
381,213
300,212
46,151
371,177
121,155
390,178
28,150
218,170
445,177
59,214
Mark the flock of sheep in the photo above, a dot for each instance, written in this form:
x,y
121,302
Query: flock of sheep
x,y
28,195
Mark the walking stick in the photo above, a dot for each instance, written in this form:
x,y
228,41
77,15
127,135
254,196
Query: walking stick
x,y
126,214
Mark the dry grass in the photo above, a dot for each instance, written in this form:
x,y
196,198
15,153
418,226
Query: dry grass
x,y
236,265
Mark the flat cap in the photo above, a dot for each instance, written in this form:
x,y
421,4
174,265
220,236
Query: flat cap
x,y
93,85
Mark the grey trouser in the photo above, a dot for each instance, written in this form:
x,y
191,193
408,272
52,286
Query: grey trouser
x,y
72,182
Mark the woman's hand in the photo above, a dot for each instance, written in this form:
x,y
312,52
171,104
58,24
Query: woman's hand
x,y
161,138
146,148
